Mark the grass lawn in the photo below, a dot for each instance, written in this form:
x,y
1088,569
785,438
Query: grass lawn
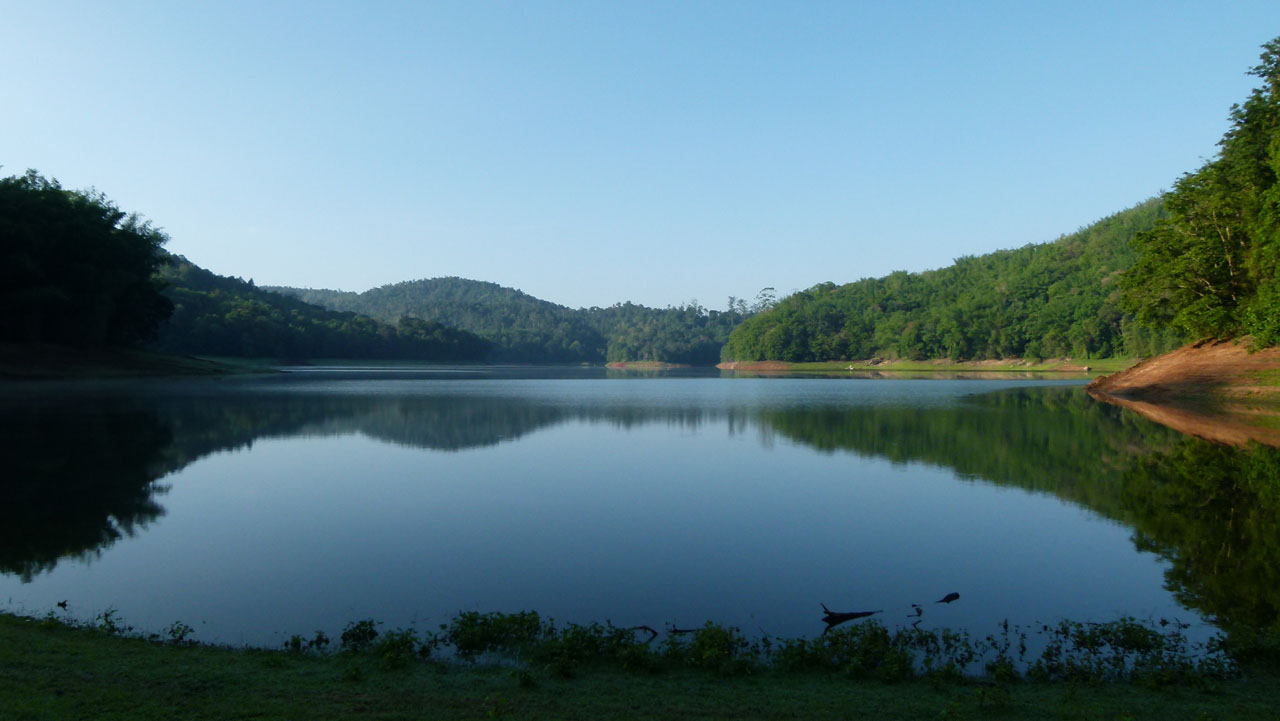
x,y
52,671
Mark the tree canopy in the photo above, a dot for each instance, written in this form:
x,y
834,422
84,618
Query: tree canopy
x,y
75,270
525,329
1047,300
1210,268
217,315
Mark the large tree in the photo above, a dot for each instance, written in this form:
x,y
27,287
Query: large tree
x,y
75,269
1209,269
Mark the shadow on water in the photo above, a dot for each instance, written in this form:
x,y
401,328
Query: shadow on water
x,y
84,473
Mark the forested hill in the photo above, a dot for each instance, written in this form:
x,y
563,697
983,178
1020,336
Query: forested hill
x,y
530,330
1038,301
217,315
521,327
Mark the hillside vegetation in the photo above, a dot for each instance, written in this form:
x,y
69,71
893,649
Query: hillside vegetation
x,y
75,270
1201,261
1210,269
1047,300
221,316
526,329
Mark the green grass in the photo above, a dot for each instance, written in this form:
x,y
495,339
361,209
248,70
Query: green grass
x,y
1267,377
44,362
1100,365
52,671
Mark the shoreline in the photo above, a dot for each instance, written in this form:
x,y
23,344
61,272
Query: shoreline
x,y
52,670
40,362
644,365
1003,365
1214,389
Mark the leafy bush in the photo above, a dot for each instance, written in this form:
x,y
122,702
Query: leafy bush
x,y
359,635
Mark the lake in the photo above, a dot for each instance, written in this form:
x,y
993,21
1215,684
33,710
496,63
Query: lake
x,y
259,507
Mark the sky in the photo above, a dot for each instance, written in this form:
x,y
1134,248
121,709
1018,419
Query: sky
x,y
591,153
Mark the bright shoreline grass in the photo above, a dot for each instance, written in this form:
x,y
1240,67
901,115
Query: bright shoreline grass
x,y
1100,365
49,670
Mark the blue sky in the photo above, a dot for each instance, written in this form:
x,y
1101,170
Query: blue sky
x,y
595,152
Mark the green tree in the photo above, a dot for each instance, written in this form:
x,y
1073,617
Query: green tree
x,y
1209,269
75,269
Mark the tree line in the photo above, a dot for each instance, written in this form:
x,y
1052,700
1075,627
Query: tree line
x,y
1200,261
221,316
75,270
1210,267
525,329
1047,300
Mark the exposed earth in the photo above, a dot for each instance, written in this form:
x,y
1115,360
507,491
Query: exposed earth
x,y
1214,389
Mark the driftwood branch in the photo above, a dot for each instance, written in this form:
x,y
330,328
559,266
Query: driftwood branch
x,y
652,633
835,618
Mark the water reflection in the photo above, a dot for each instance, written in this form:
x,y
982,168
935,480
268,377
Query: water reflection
x,y
1211,511
77,481
85,467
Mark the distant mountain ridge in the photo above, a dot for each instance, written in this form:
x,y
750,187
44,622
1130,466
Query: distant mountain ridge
x,y
217,315
531,330
522,328
1041,300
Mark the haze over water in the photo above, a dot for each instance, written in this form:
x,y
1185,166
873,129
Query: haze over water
x,y
253,509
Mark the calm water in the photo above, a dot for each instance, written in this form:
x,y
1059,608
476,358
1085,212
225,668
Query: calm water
x,y
253,509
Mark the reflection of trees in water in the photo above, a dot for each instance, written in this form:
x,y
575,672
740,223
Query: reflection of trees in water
x,y
84,475
1212,512
76,481
1052,440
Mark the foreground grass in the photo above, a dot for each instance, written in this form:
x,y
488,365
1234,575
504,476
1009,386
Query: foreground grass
x,y
52,671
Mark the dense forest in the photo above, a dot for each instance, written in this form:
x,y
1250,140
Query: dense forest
x,y
529,330
1210,267
75,270
1201,261
216,315
1047,300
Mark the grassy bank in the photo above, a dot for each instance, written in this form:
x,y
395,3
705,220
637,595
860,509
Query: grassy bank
x,y
1009,365
49,670
40,362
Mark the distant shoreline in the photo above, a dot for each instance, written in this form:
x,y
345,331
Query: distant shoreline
x,y
1003,365
34,362
645,365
